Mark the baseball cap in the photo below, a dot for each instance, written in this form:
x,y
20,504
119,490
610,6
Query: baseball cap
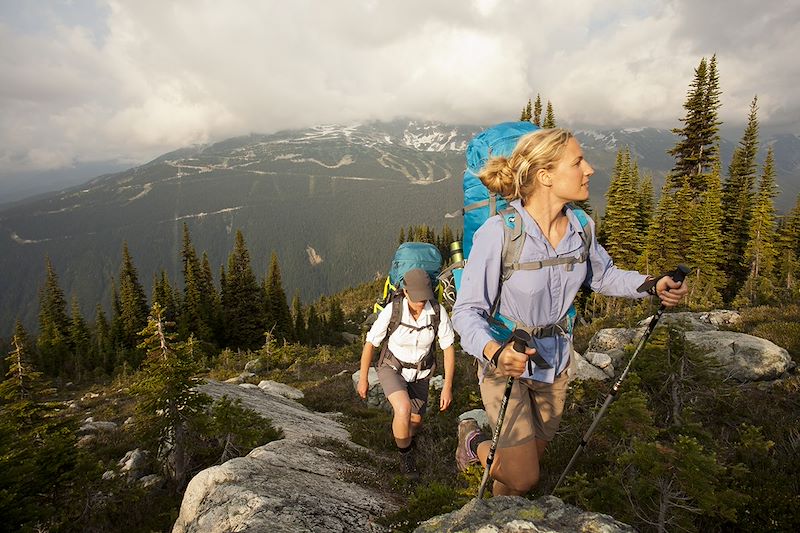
x,y
418,285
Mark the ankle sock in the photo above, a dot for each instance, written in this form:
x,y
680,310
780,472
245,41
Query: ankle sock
x,y
475,440
406,449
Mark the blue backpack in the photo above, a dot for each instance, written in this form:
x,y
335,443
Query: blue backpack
x,y
480,204
410,255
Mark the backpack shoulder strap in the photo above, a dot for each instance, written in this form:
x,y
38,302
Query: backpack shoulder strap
x,y
586,234
396,316
513,240
437,316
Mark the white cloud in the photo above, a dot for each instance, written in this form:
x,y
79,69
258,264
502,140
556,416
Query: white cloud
x,y
132,79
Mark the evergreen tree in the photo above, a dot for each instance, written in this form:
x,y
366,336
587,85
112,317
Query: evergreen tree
x,y
103,342
706,248
550,118
22,381
335,317
315,331
738,198
211,302
619,229
276,296
697,150
165,296
526,115
760,254
537,111
81,342
789,253
38,452
168,400
53,341
299,328
132,306
198,294
242,300
645,204
665,240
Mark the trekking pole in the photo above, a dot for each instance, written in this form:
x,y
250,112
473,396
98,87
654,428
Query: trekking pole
x,y
520,337
678,275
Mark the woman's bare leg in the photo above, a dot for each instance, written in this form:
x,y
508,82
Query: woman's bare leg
x,y
515,470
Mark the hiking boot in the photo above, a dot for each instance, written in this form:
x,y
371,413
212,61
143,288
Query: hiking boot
x,y
467,430
408,465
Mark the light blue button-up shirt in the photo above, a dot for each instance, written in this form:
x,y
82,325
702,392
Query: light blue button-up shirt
x,y
533,297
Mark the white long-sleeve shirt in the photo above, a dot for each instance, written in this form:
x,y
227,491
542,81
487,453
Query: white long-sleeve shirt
x,y
410,345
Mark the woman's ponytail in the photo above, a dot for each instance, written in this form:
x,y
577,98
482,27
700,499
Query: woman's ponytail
x,y
498,176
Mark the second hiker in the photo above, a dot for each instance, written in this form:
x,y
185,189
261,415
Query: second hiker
x,y
412,323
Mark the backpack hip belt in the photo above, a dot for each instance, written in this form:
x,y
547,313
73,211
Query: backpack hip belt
x,y
428,361
563,326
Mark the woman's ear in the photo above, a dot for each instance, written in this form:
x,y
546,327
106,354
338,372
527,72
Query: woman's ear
x,y
544,177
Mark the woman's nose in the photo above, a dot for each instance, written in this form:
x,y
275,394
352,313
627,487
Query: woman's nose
x,y
587,168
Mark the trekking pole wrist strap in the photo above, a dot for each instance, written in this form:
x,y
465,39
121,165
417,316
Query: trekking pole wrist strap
x,y
649,285
496,357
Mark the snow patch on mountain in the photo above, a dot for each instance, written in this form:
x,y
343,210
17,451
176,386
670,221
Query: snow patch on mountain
x,y
344,161
146,189
201,215
19,240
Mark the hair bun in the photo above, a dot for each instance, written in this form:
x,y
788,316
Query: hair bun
x,y
498,176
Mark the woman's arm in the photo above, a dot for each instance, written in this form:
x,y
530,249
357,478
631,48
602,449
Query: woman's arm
x,y
480,283
604,277
446,397
366,361
375,337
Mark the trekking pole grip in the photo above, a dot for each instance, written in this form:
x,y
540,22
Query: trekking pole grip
x,y
680,273
520,338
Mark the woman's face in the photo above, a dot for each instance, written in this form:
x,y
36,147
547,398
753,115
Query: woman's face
x,y
570,176
414,306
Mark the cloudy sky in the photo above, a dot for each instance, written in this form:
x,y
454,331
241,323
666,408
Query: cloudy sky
x,y
103,80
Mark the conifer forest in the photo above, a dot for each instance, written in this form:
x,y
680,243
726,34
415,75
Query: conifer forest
x,y
681,449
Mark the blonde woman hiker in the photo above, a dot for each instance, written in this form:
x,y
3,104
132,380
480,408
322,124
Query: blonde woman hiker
x,y
406,363
559,253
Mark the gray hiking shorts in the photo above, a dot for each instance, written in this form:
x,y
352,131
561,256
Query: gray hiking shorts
x,y
392,381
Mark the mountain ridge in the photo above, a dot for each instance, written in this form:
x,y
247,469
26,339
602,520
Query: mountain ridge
x,y
329,200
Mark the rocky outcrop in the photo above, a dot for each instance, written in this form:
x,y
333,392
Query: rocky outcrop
x,y
285,485
375,396
740,356
513,514
737,355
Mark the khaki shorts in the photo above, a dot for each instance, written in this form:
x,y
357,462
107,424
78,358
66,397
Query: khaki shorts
x,y
534,408
392,381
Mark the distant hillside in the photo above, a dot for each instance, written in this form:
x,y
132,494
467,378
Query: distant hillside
x,y
329,200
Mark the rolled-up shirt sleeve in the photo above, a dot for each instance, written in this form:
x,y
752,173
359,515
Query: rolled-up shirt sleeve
x,y
605,278
377,332
445,333
479,285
